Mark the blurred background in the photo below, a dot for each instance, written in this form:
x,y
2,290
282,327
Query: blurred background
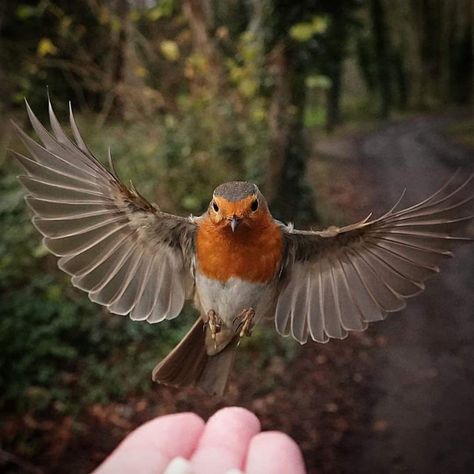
x,y
332,107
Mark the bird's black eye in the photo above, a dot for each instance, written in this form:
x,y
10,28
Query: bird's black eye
x,y
254,205
215,206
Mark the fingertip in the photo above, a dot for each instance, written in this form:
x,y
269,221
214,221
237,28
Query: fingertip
x,y
161,430
275,452
237,416
191,418
152,446
224,442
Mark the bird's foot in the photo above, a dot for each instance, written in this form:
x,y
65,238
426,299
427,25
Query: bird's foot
x,y
214,322
244,322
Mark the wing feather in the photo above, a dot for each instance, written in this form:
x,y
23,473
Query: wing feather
x,y
146,295
351,317
119,248
339,279
119,302
363,298
329,304
59,229
77,135
318,323
107,294
81,263
65,210
299,328
36,169
161,305
316,327
93,275
174,297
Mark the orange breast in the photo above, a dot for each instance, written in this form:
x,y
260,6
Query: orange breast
x,y
251,253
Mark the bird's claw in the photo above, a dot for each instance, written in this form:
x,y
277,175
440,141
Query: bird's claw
x,y
214,322
245,322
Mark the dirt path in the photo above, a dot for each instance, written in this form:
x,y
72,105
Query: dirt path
x,y
422,389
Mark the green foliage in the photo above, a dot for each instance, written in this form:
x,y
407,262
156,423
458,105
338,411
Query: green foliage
x,y
318,81
44,44
305,31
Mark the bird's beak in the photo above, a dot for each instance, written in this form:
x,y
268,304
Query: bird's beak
x,y
234,223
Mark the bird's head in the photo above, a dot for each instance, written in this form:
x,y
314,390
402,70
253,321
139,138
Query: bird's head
x,y
236,205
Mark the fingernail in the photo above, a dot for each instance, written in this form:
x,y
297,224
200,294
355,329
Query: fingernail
x,y
179,465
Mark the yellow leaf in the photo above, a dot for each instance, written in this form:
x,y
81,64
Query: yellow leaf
x,y
140,71
259,114
46,46
170,50
135,15
318,81
115,24
198,63
302,32
248,87
155,13
40,251
320,24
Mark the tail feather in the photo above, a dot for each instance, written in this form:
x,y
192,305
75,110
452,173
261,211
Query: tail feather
x,y
189,365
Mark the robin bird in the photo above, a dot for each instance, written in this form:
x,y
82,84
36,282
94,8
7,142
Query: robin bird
x,y
235,261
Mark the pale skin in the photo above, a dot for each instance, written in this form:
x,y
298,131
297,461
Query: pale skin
x,y
230,442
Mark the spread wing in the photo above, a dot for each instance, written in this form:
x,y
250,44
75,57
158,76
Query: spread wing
x,y
123,251
340,279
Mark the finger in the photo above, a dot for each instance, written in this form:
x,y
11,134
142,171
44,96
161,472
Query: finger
x,y
274,452
225,440
153,445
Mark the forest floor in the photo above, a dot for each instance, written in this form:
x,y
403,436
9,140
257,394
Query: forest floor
x,y
396,398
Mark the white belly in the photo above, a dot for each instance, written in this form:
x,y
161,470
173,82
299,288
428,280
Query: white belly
x,y
229,299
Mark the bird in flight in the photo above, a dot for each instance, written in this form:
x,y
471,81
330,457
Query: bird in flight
x,y
236,262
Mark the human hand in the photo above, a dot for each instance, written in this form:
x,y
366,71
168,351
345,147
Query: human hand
x,y
229,443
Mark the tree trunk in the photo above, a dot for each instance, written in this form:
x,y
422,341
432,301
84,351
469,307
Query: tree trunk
x,y
279,122
334,96
382,53
288,194
118,72
336,50
197,13
471,11
401,80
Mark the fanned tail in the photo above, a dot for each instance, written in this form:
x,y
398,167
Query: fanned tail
x,y
189,365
